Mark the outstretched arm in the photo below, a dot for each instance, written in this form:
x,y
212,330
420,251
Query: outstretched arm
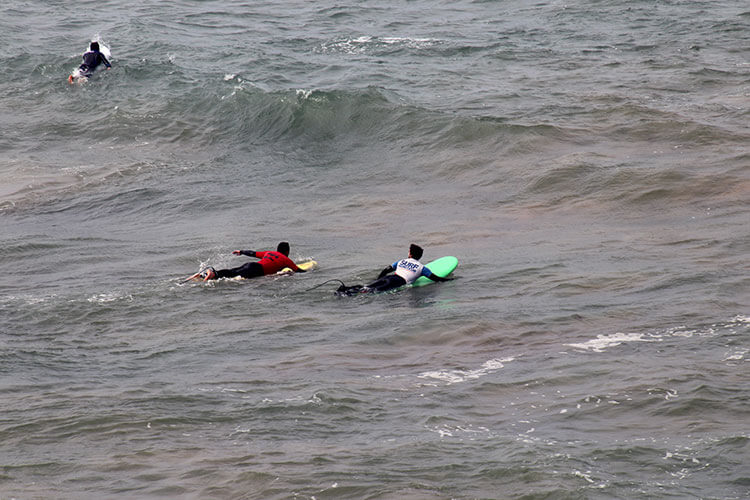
x,y
249,253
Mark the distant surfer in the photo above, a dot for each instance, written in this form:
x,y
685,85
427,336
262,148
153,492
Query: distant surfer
x,y
270,262
407,271
91,60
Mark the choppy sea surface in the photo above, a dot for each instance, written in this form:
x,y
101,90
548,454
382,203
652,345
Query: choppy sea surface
x,y
587,162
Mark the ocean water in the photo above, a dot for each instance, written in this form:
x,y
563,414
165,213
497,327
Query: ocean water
x,y
587,162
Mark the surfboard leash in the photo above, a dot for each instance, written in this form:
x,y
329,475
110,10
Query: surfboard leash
x,y
325,283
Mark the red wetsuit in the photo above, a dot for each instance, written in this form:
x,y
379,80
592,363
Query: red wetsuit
x,y
273,262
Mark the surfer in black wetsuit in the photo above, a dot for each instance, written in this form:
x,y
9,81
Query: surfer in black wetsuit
x,y
407,271
91,60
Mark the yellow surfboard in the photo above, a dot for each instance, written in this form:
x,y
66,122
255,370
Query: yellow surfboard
x,y
305,266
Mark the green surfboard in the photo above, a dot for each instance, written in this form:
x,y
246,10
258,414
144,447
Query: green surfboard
x,y
442,267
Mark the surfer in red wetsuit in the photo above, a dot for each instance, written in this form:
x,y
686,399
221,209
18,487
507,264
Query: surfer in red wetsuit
x,y
270,262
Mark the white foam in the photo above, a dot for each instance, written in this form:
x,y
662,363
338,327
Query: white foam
x,y
668,393
27,299
585,475
468,431
104,298
411,42
603,342
737,355
361,44
457,376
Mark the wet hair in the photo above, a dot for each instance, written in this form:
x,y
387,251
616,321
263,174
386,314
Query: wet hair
x,y
415,251
94,46
283,247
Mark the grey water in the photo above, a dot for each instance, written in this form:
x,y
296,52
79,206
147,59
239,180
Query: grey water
x,y
586,162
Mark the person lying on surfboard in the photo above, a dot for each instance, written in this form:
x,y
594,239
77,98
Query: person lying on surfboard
x,y
91,60
407,271
270,263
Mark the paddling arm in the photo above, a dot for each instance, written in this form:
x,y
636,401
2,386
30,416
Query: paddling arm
x,y
249,253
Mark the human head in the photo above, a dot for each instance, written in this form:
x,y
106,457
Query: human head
x,y
94,46
283,247
415,251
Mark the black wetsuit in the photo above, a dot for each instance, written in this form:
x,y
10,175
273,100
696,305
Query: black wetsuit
x,y
248,270
91,60
384,284
407,272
